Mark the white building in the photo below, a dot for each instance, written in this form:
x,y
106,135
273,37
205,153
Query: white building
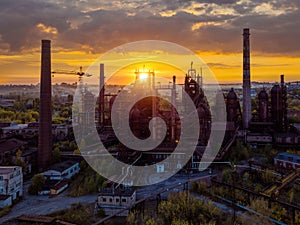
x,y
113,200
285,160
62,170
11,184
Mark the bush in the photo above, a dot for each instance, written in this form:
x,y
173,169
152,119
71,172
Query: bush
x,y
37,184
4,211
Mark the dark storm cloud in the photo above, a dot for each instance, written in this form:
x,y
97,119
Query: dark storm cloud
x,y
18,21
105,30
101,25
273,34
181,4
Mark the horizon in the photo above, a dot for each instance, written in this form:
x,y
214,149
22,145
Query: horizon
x,y
224,75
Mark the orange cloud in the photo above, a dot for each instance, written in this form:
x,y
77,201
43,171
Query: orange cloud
x,y
46,29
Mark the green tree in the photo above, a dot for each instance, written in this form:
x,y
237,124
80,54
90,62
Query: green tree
x,y
76,151
37,184
278,212
56,157
268,176
226,176
58,120
19,161
132,218
184,208
263,213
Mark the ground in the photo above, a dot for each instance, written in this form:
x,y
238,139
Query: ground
x,y
43,205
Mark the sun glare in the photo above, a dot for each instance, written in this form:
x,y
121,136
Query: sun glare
x,y
143,76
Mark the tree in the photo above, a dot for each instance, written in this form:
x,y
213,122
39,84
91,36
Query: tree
x,y
292,195
37,184
181,208
19,161
226,176
56,157
76,151
132,218
268,177
263,213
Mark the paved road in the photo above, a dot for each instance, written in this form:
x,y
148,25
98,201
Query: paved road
x,y
43,205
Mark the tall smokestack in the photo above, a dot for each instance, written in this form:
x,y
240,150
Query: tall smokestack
x,y
246,80
282,80
101,96
45,118
173,113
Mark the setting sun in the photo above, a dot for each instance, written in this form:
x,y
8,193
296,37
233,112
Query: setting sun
x,y
143,76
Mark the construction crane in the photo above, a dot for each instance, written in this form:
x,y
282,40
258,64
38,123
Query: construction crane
x,y
80,104
79,73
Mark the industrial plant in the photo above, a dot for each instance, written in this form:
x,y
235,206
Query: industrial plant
x,y
256,118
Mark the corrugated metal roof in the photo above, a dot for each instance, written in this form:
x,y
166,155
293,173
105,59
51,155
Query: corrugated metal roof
x,y
288,157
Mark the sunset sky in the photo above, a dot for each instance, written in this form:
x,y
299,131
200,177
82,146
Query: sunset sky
x,y
82,30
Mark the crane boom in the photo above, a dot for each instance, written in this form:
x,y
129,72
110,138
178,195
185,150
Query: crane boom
x,y
79,73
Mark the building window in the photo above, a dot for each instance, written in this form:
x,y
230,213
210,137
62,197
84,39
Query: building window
x,y
1,177
110,199
117,199
103,199
124,200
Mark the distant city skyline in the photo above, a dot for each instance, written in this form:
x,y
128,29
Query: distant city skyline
x,y
81,31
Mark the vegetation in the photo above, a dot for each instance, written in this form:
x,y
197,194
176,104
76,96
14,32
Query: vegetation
x,y
4,211
63,146
58,120
78,213
293,104
87,182
199,187
264,212
16,116
37,184
239,152
19,161
56,158
23,112
180,209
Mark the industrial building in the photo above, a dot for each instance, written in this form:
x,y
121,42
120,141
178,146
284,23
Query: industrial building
x,y
269,123
288,161
62,170
11,184
112,201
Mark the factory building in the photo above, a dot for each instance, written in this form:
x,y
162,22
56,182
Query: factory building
x,y
233,110
11,184
285,160
279,106
112,201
